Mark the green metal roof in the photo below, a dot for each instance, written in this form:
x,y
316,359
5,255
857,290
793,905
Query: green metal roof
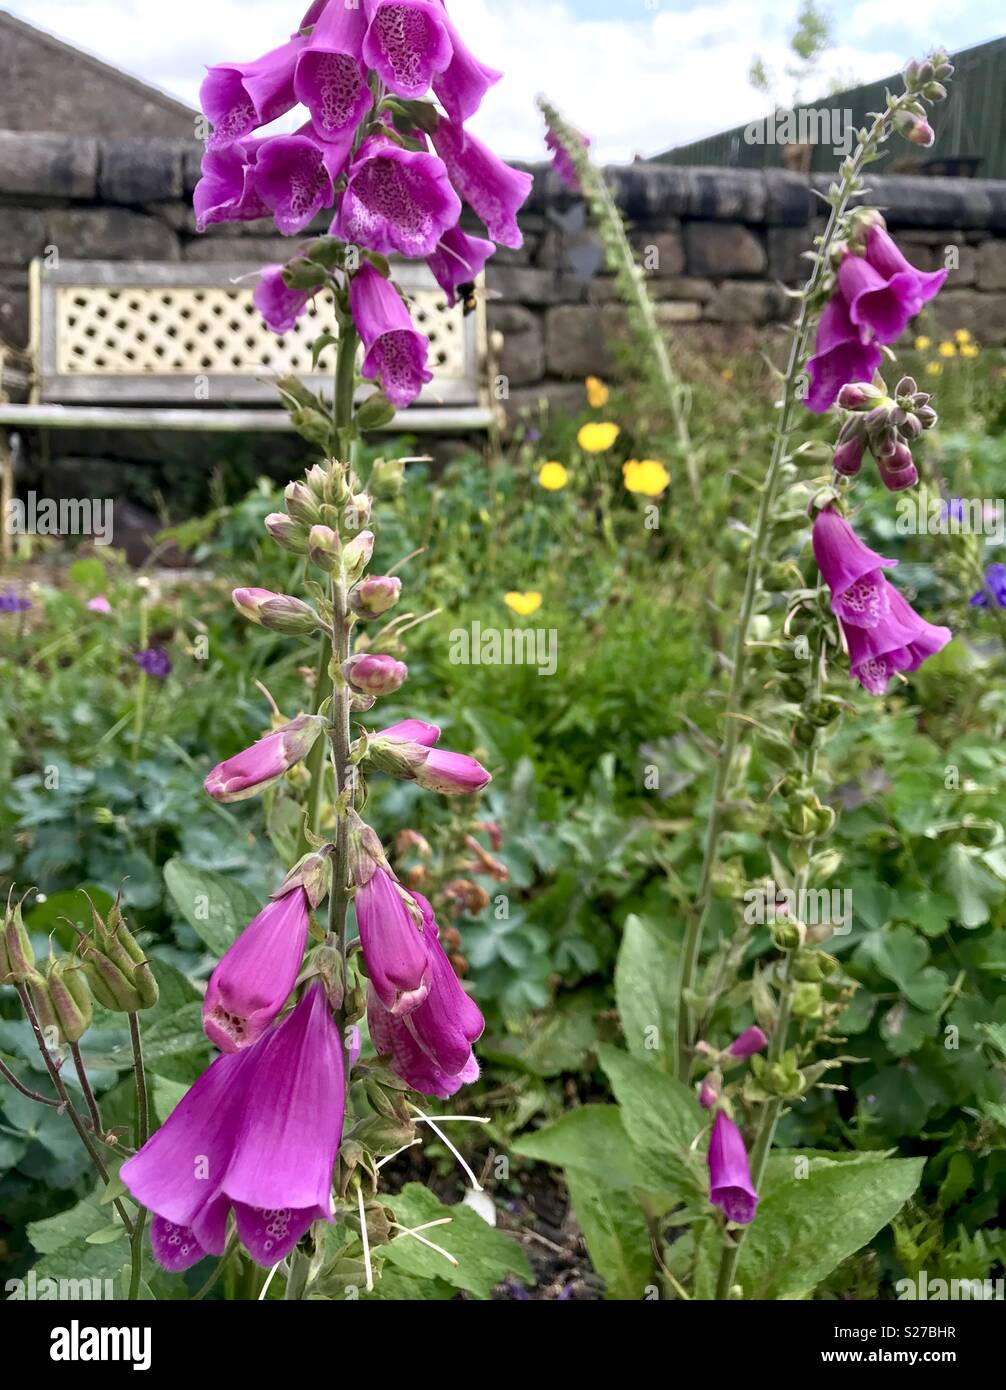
x,y
970,126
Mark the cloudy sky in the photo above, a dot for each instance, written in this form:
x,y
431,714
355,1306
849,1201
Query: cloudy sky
x,y
638,75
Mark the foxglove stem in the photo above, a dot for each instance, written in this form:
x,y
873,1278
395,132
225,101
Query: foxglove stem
x,y
631,281
85,1086
799,350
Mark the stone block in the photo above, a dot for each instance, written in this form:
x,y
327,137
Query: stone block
x,y
721,249
522,357
140,171
48,166
113,234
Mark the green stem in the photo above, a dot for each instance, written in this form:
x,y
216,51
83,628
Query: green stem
x,y
756,561
85,1086
139,717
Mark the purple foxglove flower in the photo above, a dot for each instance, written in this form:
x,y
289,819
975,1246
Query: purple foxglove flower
x,y
879,306
461,87
278,304
458,260
562,163
154,661
995,583
898,471
394,351
99,604
254,979
901,641
883,255
411,731
374,673
330,79
226,192
730,1186
396,200
374,595
265,762
295,174
490,188
708,1095
259,1131
840,356
848,456
431,1047
852,571
239,97
406,44
393,943
452,774
749,1042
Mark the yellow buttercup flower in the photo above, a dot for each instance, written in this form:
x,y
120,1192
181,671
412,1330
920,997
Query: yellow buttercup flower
x,y
970,349
552,476
727,373
597,393
961,335
524,604
947,349
596,438
922,343
646,476
934,368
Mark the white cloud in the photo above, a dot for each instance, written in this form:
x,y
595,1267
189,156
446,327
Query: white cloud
x,y
641,81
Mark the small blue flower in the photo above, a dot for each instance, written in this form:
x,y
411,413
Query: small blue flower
x,y
995,580
12,602
154,661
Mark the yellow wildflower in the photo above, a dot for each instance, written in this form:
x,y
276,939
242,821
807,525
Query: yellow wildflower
x,y
934,368
970,349
961,335
922,343
727,373
597,392
524,604
947,349
646,476
552,476
596,438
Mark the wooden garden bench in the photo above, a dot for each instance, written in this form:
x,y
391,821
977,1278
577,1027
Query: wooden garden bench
x,y
169,346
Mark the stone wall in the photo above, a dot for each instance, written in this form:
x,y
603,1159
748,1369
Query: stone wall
x,y
718,245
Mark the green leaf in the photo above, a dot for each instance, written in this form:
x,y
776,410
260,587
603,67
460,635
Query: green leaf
x,y
591,1138
806,1228
615,1230
973,886
106,1235
484,1256
662,1119
217,908
900,955
74,1224
646,986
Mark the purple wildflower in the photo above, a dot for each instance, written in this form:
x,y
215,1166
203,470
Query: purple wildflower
x,y
154,661
239,97
13,602
995,583
840,356
561,161
278,304
330,78
730,1185
226,192
852,571
407,44
254,979
394,351
295,176
458,260
749,1042
396,200
393,944
265,762
490,188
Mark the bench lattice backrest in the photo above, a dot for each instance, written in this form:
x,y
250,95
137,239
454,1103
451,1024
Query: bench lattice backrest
x,y
164,333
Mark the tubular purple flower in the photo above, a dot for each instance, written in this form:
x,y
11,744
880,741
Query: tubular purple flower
x,y
461,87
431,1047
883,255
879,306
266,761
295,176
278,304
490,188
259,1131
901,641
411,731
840,356
898,471
458,260
749,1042
374,673
330,78
561,161
226,192
730,1185
394,351
393,943
848,456
852,571
406,44
396,200
254,979
452,774
239,97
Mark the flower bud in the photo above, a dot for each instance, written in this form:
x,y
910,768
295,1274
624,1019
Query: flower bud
x,y
907,386
927,417
287,533
708,1094
356,554
313,873
386,479
911,425
17,959
116,966
301,503
277,612
752,1040
452,774
859,395
372,673
915,129
324,548
899,471
357,511
63,1001
266,761
375,595
848,457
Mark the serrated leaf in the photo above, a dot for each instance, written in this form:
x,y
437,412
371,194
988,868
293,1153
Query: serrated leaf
x,y
615,1230
662,1119
646,987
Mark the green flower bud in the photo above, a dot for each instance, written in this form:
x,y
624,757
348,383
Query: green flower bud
x,y
301,503
806,1001
387,478
357,553
116,966
63,1001
788,936
324,548
17,959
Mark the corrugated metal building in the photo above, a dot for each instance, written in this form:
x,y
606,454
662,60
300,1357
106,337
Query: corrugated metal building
x,y
970,127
